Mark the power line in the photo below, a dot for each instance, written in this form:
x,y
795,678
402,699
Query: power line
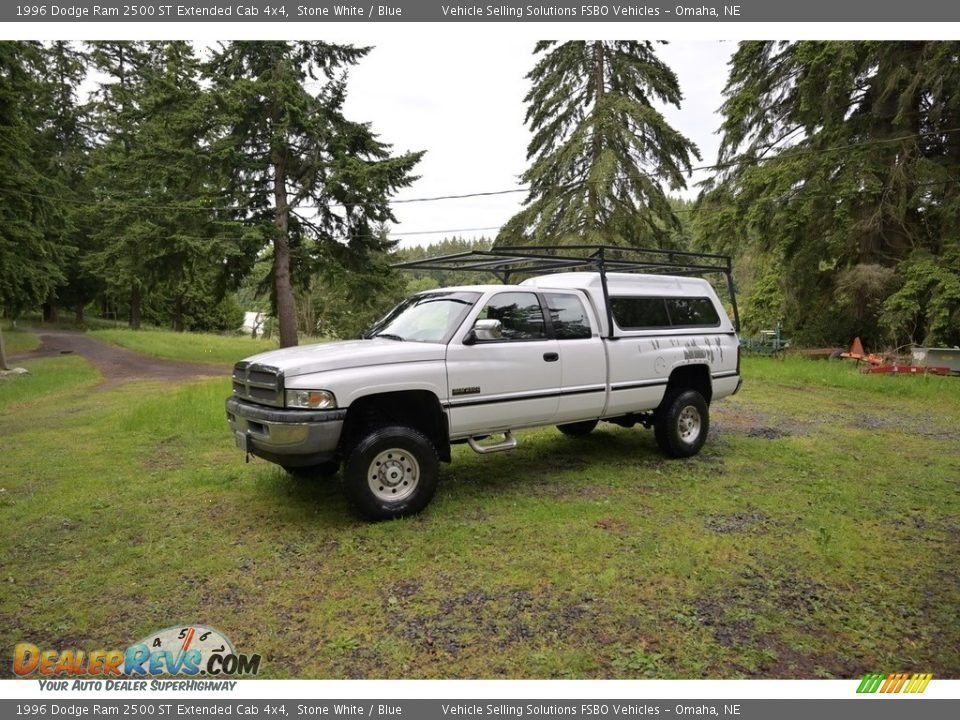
x,y
414,233
179,236
838,196
460,196
111,203
820,151
439,232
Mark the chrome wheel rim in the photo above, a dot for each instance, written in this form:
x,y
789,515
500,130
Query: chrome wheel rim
x,y
393,475
689,424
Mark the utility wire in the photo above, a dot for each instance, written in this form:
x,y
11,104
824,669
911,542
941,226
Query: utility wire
x,y
179,236
838,196
132,203
413,233
820,151
109,202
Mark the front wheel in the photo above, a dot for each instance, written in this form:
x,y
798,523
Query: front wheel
x,y
391,472
681,424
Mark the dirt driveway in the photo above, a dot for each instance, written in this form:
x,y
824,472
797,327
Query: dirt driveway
x,y
117,364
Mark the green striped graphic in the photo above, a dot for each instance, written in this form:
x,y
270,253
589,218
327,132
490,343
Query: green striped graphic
x,y
871,682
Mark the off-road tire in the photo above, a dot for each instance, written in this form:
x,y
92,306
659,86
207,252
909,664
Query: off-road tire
x,y
391,472
681,423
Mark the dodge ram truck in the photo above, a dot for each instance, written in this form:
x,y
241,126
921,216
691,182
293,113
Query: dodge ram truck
x,y
474,363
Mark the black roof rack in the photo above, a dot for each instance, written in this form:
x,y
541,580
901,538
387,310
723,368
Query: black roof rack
x,y
505,262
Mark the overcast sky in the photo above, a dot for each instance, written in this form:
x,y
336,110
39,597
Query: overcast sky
x,y
464,106
461,99
456,90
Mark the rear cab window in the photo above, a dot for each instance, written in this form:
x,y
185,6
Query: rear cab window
x,y
568,316
692,312
652,313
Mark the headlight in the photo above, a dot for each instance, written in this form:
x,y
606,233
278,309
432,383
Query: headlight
x,y
311,399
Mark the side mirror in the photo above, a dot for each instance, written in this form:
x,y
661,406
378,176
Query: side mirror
x,y
487,330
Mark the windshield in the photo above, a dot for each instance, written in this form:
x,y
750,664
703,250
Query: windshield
x,y
429,318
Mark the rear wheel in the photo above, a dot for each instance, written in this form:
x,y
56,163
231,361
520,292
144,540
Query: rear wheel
x,y
681,423
312,472
391,472
578,429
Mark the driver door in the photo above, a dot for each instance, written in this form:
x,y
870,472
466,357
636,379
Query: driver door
x,y
511,378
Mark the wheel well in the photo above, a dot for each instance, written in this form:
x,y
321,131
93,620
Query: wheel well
x,y
693,377
419,409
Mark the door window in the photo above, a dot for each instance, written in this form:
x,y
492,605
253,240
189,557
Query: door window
x,y
519,314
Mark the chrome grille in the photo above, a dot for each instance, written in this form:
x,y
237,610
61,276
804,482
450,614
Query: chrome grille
x,y
260,383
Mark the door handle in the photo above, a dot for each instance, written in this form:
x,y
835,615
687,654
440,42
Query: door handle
x,y
551,357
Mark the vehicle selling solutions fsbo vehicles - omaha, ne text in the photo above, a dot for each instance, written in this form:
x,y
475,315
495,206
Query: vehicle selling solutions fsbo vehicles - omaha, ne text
x,y
464,364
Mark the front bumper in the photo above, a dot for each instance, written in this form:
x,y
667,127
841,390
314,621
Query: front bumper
x,y
292,438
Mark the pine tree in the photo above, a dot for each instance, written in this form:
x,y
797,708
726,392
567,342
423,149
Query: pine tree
x,y
190,256
345,300
31,256
841,161
601,152
299,167
122,232
64,157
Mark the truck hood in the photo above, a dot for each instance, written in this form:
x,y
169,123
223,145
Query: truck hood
x,y
347,354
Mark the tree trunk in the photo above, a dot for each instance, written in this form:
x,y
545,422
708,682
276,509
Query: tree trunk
x,y
178,315
286,307
3,354
51,312
79,314
135,301
593,195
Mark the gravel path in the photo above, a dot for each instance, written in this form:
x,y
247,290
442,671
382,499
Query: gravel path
x,y
117,364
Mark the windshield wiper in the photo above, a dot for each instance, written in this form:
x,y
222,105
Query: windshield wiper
x,y
388,336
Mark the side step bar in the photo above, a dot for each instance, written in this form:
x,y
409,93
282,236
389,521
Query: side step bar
x,y
509,442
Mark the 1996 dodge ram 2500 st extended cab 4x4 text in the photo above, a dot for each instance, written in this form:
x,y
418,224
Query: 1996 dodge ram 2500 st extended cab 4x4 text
x,y
462,364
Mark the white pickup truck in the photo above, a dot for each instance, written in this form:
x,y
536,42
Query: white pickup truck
x,y
471,364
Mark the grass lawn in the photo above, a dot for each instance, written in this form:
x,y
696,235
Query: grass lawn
x,y
187,347
817,535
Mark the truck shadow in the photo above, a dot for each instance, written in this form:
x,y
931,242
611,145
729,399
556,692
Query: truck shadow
x,y
545,463
550,456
